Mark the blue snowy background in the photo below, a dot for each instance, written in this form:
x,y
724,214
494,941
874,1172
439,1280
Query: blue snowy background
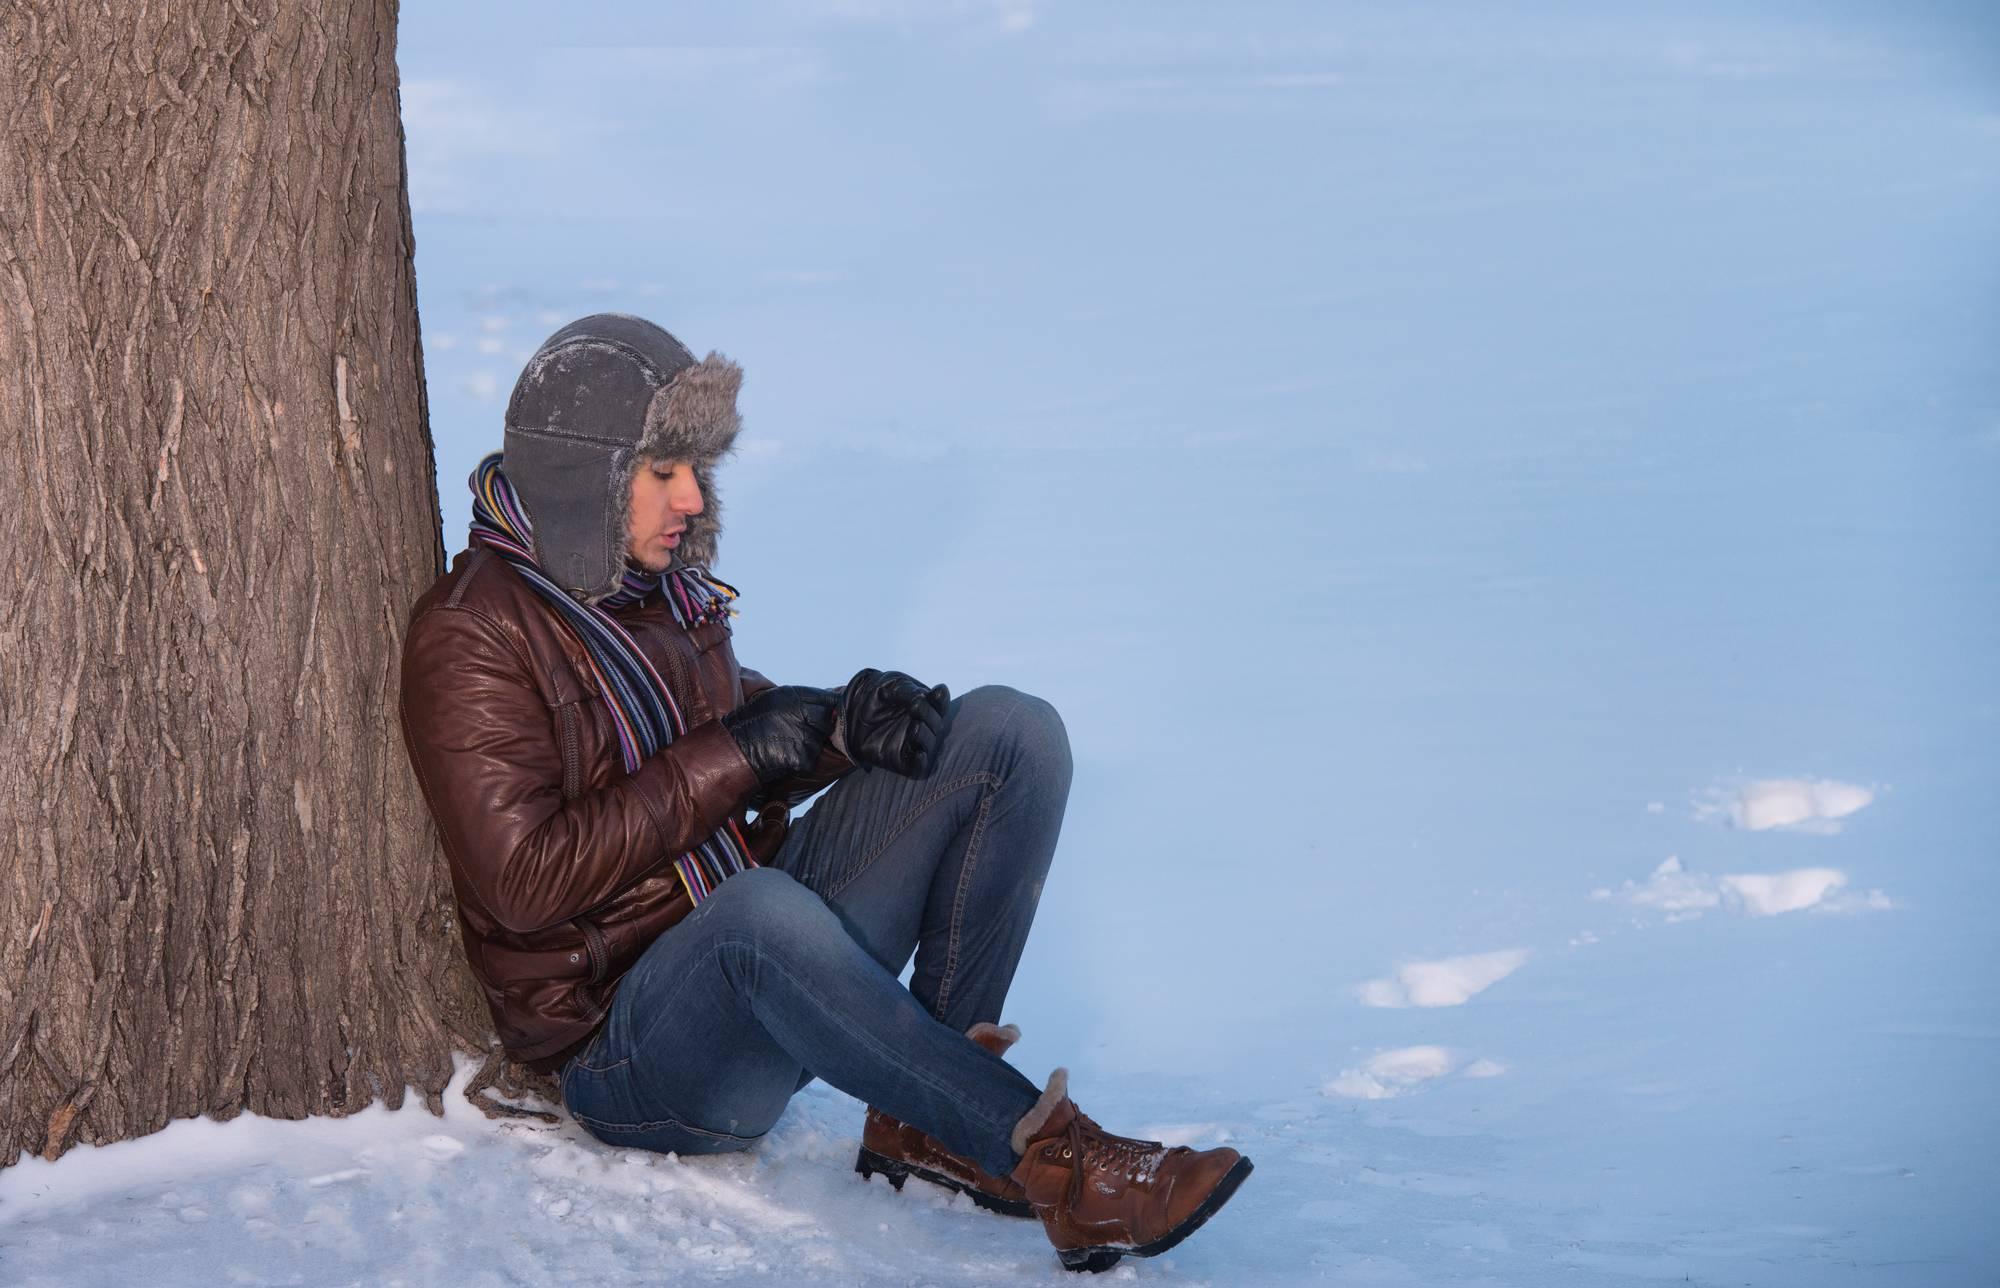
x,y
1444,462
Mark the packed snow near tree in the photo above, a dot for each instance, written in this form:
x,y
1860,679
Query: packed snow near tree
x,y
1503,505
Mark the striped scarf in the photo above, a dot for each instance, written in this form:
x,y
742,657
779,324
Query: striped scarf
x,y
642,708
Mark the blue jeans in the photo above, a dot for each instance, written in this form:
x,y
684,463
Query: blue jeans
x,y
789,971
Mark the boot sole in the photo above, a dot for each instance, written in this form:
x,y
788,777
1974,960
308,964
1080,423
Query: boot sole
x,y
869,1162
1099,1259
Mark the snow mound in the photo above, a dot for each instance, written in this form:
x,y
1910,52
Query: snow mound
x,y
1684,895
386,1196
1792,804
1768,894
1450,982
1388,1074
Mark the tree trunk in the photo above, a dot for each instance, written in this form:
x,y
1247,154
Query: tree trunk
x,y
219,503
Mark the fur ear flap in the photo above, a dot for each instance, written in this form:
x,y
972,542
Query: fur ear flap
x,y
698,546
693,416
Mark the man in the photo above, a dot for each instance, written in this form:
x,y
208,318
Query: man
x,y
588,745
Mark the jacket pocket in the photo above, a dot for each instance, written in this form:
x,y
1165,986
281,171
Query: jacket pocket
x,y
598,951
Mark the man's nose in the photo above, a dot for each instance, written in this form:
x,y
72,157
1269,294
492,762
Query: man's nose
x,y
687,493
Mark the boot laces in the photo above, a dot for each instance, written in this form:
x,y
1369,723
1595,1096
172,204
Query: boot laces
x,y
1090,1146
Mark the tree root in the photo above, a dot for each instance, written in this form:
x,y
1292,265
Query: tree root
x,y
515,1081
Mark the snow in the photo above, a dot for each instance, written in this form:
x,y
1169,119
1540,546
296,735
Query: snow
x,y
1451,982
1503,500
1670,889
1407,1069
1768,894
1807,805
1685,895
400,1197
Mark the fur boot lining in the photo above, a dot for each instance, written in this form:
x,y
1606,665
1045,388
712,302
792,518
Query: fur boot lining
x,y
1008,1034
1032,1121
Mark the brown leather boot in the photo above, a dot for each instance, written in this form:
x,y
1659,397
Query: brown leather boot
x,y
899,1151
1102,1197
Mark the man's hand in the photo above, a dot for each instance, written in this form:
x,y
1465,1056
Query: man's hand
x,y
890,721
782,730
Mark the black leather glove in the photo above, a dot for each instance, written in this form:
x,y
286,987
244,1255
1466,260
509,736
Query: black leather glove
x,y
890,721
783,730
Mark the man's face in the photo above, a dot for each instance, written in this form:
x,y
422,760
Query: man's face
x,y
664,494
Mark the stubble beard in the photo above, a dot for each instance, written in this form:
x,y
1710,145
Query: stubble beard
x,y
663,562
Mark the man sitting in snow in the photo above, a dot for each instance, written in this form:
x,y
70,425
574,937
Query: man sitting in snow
x,y
588,745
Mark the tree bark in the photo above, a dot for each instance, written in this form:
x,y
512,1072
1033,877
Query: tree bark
x,y
219,502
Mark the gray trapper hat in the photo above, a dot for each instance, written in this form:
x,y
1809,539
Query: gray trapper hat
x,y
600,398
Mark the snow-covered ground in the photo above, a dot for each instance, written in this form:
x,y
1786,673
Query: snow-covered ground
x,y
1504,500
401,1198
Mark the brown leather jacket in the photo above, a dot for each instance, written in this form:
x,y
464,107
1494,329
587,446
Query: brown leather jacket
x,y
561,862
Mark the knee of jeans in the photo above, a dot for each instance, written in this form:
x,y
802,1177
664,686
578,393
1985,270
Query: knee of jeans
x,y
772,902
776,920
767,890
1028,728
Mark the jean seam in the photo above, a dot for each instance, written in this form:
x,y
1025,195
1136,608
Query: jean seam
x,y
861,1036
656,1124
666,1004
909,819
956,936
966,868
